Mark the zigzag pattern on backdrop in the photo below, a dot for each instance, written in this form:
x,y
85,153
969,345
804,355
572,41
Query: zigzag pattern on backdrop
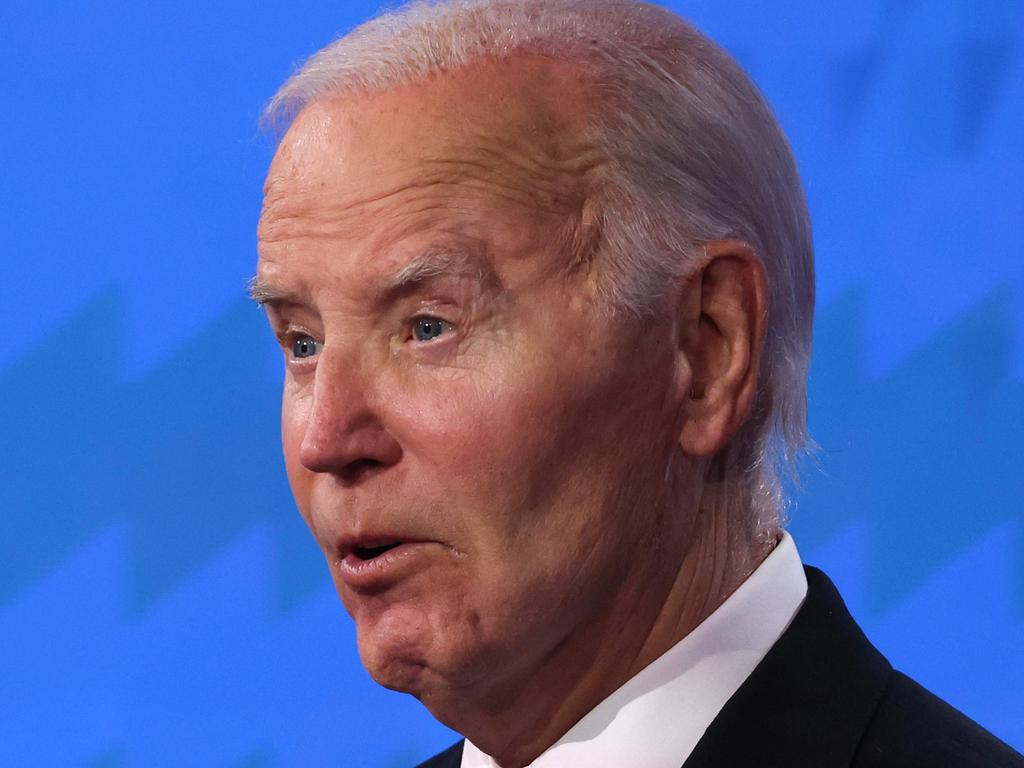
x,y
162,604
906,122
186,456
928,454
210,674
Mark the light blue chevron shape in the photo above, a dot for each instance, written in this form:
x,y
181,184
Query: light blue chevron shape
x,y
960,635
210,675
67,701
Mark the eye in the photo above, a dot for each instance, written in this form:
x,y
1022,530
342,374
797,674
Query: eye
x,y
429,328
304,345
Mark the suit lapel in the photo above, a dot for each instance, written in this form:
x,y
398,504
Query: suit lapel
x,y
809,700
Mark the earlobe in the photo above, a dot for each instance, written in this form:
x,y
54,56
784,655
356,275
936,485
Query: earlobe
x,y
721,321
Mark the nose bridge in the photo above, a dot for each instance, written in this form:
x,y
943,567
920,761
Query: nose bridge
x,y
339,391
343,427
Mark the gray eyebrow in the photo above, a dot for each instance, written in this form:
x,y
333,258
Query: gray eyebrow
x,y
436,262
432,263
263,293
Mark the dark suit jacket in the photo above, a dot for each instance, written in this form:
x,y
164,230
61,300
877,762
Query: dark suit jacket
x,y
824,697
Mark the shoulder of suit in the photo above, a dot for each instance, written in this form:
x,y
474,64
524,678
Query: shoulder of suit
x,y
913,727
450,758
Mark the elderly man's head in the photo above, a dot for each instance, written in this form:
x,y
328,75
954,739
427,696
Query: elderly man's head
x,y
542,274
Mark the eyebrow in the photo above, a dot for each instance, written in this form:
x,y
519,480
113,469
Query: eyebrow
x,y
264,293
436,263
432,263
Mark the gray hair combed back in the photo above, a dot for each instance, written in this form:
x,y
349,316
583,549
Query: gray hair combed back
x,y
694,154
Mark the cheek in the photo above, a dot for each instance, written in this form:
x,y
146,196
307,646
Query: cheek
x,y
512,452
476,437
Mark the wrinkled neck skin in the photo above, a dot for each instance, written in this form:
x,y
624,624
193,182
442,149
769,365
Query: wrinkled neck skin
x,y
706,549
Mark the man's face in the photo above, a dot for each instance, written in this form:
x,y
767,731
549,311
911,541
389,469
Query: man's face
x,y
452,386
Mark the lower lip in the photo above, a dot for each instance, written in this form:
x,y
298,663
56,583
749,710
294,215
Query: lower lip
x,y
383,570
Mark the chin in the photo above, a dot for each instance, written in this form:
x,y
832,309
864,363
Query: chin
x,y
431,660
405,675
397,649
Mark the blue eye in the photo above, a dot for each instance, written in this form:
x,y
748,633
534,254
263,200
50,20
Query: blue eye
x,y
429,328
305,346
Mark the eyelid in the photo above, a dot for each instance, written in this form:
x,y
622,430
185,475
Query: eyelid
x,y
427,314
290,331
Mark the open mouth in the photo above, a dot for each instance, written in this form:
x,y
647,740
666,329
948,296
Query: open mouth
x,y
369,553
368,566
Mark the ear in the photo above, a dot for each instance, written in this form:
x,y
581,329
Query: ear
x,y
721,319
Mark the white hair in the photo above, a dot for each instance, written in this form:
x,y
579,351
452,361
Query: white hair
x,y
694,155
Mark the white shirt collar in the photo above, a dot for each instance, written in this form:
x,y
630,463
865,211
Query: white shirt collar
x,y
657,717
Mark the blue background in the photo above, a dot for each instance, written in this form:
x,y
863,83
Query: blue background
x,y
161,603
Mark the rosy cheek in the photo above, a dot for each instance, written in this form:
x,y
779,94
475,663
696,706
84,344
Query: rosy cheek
x,y
473,436
435,415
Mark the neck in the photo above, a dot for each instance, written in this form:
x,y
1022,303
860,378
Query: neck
x,y
655,608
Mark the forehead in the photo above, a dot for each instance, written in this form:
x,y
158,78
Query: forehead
x,y
522,116
509,136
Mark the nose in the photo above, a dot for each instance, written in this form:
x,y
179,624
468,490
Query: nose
x,y
345,433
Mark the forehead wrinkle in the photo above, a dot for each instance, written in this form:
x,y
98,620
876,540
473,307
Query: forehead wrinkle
x,y
552,167
515,182
534,155
458,252
562,154
304,216
320,217
545,166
